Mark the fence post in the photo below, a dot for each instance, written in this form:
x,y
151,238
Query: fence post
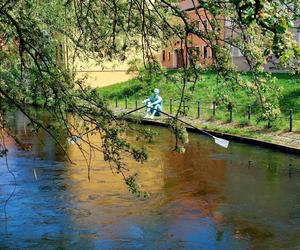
x,y
230,111
171,105
116,102
291,120
126,102
249,112
136,103
198,110
269,124
214,109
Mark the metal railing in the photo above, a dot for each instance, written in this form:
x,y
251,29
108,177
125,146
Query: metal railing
x,y
198,109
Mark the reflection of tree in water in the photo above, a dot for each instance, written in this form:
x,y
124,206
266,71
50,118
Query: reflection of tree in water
x,y
41,144
33,152
187,202
261,200
194,183
194,172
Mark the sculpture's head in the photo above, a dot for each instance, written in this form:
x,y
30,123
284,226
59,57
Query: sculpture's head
x,y
156,91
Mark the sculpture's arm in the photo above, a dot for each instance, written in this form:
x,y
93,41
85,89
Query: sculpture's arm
x,y
157,101
146,100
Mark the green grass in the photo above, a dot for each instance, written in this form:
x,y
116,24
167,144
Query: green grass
x,y
168,89
206,90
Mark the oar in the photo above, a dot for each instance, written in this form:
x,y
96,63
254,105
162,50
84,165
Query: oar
x,y
221,142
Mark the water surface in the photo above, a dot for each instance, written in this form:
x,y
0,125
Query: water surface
x,y
244,197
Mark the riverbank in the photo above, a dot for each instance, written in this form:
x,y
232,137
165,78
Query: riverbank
x,y
242,120
279,140
205,90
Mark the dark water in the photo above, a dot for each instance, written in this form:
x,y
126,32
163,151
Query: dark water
x,y
244,197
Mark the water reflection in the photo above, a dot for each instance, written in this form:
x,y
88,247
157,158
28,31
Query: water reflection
x,y
211,198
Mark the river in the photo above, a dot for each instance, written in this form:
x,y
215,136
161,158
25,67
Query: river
x,y
243,197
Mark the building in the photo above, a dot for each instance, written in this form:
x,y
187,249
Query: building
x,y
172,56
91,72
96,75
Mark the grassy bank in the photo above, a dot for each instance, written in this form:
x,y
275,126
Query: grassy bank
x,y
205,89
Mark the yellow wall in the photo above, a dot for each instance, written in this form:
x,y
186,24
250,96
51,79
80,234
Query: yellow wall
x,y
103,78
104,74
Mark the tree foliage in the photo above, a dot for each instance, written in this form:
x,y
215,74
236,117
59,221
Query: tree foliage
x,y
32,34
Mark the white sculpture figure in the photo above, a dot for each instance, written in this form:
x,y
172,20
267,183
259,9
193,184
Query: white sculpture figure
x,y
154,104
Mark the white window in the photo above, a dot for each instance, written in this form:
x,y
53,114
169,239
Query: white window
x,y
239,53
232,50
227,23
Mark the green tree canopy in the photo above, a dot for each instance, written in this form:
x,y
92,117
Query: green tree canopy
x,y
33,31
